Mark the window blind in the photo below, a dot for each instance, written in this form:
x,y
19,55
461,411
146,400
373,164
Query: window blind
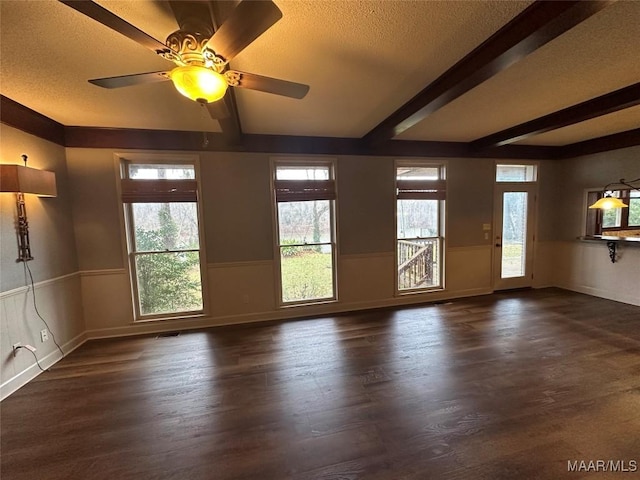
x,y
421,189
302,190
159,191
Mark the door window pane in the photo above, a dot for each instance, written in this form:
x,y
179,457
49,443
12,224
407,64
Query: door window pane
x,y
514,234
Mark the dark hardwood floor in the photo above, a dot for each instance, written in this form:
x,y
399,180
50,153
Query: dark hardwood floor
x,y
508,386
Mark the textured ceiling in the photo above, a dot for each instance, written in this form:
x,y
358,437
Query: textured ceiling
x,y
598,56
363,59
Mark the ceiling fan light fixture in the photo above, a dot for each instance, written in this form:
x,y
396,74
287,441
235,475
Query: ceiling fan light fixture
x,y
198,83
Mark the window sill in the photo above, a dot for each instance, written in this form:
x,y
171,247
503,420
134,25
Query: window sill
x,y
423,291
635,241
311,303
190,316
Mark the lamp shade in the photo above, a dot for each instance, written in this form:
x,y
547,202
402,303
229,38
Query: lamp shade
x,y
198,83
607,203
19,179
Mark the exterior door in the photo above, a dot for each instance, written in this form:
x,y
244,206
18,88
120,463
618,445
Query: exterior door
x,y
514,214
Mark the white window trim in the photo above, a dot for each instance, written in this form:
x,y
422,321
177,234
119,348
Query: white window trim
x,y
126,236
303,161
442,214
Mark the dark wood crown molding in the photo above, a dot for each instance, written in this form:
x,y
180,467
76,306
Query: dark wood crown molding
x,y
596,107
23,118
91,137
538,24
30,121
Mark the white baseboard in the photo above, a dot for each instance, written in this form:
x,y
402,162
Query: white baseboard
x,y
24,377
281,314
607,294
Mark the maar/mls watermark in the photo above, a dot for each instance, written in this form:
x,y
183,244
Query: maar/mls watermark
x,y
622,466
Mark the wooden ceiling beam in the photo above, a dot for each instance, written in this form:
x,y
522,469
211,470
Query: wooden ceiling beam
x,y
537,25
230,124
629,138
596,107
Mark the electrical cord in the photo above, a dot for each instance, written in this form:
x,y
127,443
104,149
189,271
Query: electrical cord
x,y
35,306
34,356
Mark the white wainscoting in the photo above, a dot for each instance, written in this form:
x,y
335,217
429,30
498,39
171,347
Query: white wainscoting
x,y
59,303
106,298
544,264
585,267
241,292
469,271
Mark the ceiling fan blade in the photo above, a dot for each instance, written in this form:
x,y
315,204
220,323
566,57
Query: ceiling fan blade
x,y
249,20
270,85
129,80
105,17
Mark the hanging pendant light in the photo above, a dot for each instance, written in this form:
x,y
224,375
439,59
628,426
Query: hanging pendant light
x,y
608,202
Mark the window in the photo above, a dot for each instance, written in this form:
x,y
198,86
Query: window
x,y
419,226
615,221
516,173
163,238
305,196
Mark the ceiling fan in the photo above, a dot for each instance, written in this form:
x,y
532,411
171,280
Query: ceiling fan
x,y
200,49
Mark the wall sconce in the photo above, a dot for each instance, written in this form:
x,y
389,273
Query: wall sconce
x,y
20,180
607,201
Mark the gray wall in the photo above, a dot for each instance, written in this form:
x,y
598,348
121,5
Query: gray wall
x,y
237,210
365,205
469,201
97,226
236,207
50,219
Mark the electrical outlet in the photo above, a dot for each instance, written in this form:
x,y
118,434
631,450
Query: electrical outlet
x,y
44,335
16,348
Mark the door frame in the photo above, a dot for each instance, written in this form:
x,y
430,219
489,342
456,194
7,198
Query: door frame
x,y
531,188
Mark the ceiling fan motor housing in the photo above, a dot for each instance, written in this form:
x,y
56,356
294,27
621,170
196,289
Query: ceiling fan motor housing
x,y
188,48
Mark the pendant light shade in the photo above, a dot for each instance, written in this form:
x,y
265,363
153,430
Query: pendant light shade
x,y
607,203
